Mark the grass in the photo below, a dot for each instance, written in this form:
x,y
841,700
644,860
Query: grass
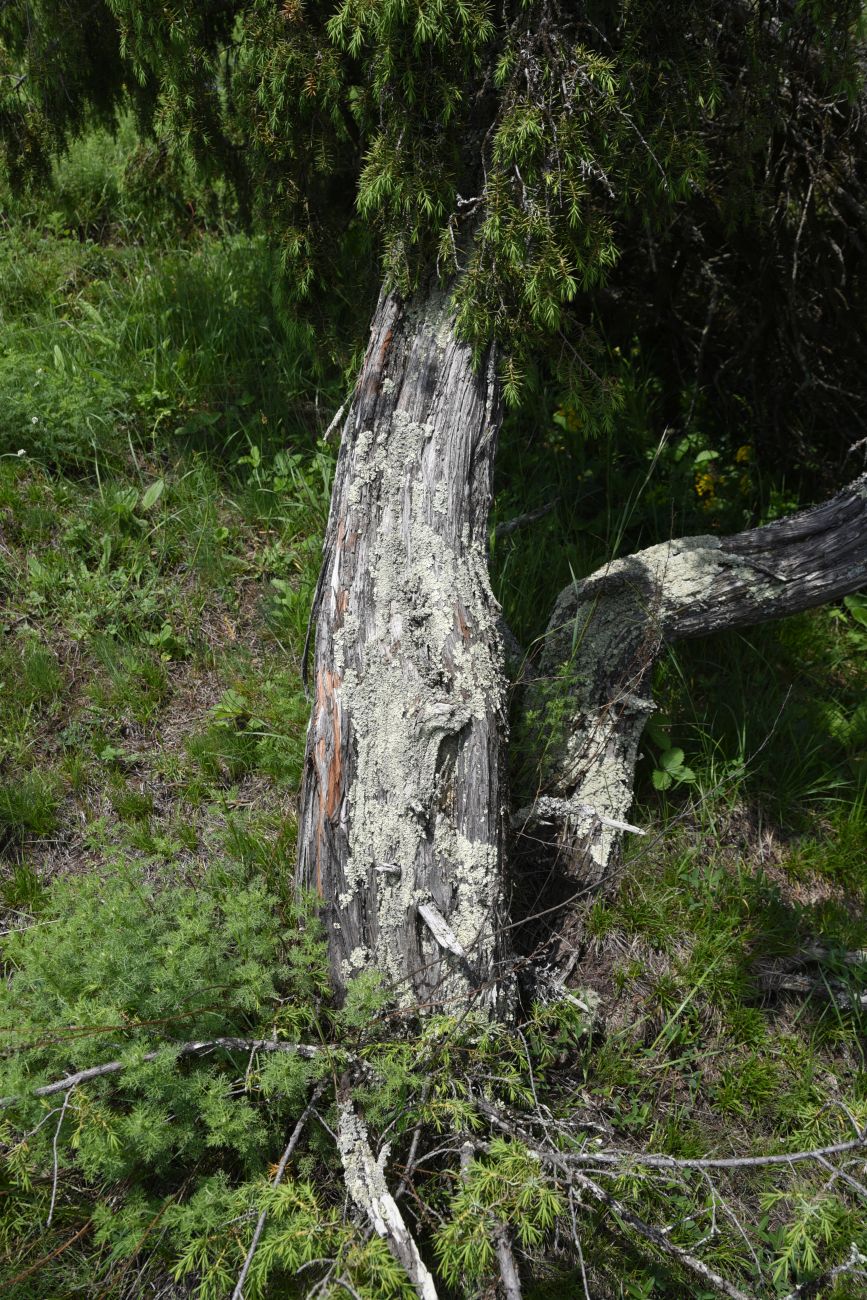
x,y
732,1020
161,499
159,542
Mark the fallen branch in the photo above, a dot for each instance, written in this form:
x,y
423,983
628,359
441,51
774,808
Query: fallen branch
x,y
813,1286
781,982
816,953
306,1050
365,1182
508,1268
565,1164
576,1178
723,1162
238,1292
836,1173
659,1239
658,1161
509,1275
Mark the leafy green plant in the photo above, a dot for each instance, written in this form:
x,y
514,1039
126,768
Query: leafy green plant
x,y
670,769
505,1187
116,966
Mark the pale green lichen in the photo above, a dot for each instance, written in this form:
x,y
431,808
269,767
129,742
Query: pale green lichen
x,y
407,699
357,961
592,742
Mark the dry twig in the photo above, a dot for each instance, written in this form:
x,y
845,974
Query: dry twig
x,y
238,1293
724,1162
54,1150
306,1050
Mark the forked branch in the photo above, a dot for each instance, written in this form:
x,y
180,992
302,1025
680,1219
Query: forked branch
x,y
605,635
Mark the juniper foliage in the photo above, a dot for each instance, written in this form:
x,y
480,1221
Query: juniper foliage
x,y
165,1163
689,173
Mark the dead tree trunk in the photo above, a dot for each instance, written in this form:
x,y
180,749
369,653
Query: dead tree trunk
x,y
401,826
401,832
606,632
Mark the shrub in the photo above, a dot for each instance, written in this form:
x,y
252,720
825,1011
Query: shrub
x,y
117,968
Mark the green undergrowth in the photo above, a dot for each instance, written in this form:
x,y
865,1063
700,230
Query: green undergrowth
x,y
609,474
160,537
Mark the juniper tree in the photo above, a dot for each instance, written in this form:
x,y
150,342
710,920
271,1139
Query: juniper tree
x,y
528,177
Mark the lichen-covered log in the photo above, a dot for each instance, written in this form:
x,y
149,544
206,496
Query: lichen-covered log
x,y
606,632
401,827
365,1182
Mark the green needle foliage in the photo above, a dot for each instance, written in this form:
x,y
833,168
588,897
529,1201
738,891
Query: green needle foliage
x,y
686,172
116,968
165,372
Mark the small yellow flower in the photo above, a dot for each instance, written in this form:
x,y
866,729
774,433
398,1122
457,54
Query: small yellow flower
x,y
704,485
744,454
567,418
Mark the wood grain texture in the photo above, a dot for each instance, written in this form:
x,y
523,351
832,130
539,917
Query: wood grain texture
x,y
403,790
605,635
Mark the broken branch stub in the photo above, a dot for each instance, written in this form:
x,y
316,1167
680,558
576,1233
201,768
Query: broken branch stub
x,y
606,632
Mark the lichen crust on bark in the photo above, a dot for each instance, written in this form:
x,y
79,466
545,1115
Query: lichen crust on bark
x,y
402,804
593,697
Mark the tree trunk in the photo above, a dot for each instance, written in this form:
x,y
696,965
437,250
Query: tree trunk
x,y
401,826
401,832
604,637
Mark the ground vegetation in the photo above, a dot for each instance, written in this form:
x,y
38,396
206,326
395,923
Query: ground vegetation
x,y
681,1109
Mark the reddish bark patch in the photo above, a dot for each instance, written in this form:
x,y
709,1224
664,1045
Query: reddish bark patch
x,y
328,754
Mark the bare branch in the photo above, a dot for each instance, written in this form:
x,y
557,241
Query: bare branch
x,y
566,1165
54,1151
852,1265
727,1162
238,1293
413,1149
781,982
506,1260
305,1050
659,1239
365,1182
509,526
576,1178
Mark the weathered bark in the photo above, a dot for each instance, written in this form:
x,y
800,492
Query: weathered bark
x,y
606,632
365,1182
401,827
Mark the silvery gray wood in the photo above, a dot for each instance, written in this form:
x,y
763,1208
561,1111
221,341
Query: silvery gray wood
x,y
402,802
